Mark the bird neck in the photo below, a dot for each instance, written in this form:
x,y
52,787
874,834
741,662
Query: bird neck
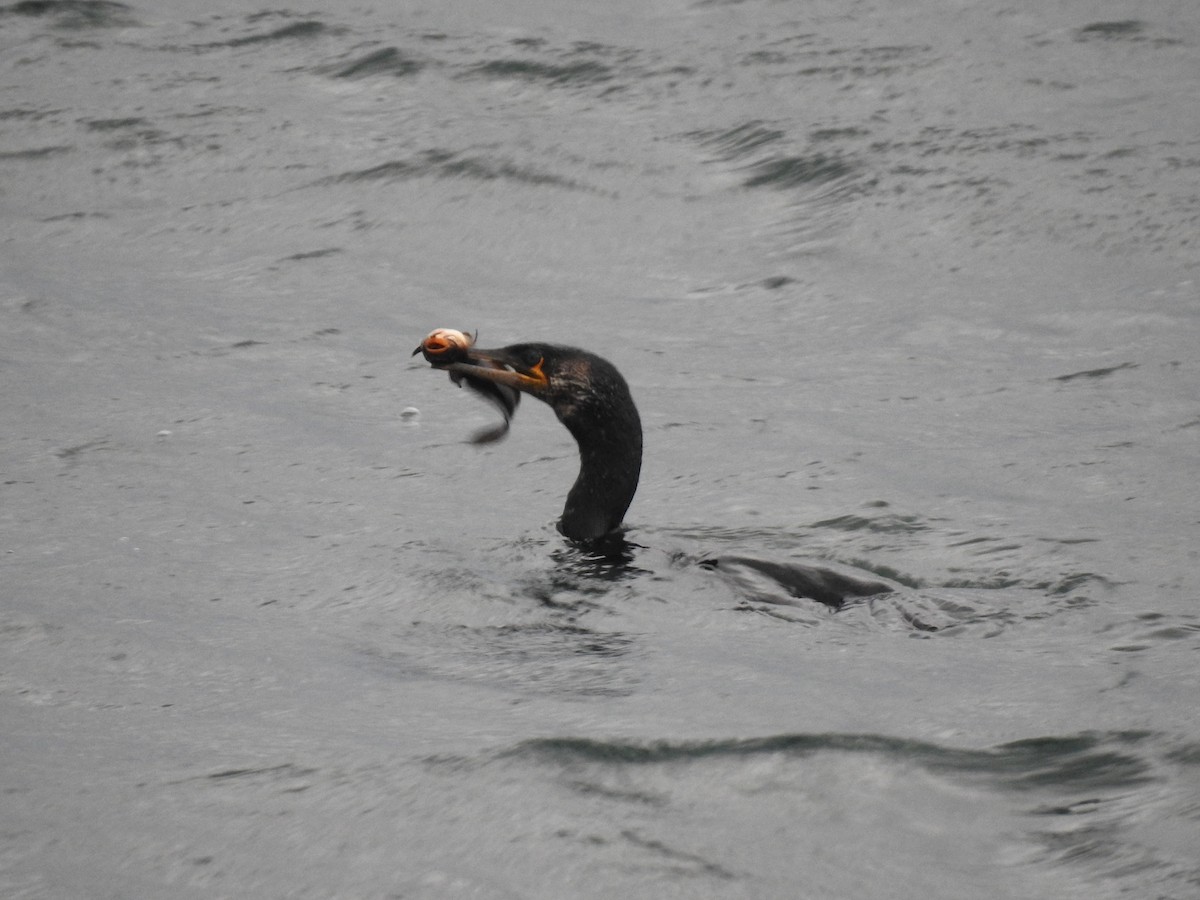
x,y
610,463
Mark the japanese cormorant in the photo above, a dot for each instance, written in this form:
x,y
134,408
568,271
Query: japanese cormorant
x,y
591,398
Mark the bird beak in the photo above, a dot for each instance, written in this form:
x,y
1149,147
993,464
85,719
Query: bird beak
x,y
493,366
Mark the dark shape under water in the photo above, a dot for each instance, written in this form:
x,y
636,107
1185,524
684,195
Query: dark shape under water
x,y
818,583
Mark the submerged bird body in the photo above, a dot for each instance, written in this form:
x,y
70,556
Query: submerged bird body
x,y
591,398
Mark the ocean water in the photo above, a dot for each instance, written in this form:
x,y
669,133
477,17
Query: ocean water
x,y
906,287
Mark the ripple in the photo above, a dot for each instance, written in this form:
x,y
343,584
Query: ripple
x,y
1096,373
1088,761
786,172
285,33
387,61
557,75
35,153
783,171
889,523
558,658
740,141
115,124
1126,28
448,164
76,14
1153,631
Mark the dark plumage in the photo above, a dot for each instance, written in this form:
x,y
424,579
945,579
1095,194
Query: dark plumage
x,y
591,398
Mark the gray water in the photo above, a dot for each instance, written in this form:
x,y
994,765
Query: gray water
x,y
908,287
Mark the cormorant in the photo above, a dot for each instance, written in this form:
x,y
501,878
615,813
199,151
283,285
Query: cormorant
x,y
591,398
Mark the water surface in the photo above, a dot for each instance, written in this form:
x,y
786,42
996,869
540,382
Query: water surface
x,y
904,287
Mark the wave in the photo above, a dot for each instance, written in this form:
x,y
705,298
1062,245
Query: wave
x,y
1088,761
75,14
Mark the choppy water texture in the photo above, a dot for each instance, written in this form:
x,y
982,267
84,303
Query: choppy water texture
x,y
908,287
